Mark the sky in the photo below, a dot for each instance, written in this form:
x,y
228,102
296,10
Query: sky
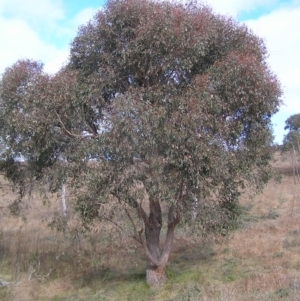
x,y
43,29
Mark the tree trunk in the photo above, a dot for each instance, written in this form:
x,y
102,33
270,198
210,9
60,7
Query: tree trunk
x,y
157,257
155,276
154,273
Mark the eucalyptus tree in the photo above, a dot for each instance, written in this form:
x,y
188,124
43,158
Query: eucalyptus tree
x,y
160,105
291,143
292,138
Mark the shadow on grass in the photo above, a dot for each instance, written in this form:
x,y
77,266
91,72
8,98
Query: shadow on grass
x,y
122,281
107,275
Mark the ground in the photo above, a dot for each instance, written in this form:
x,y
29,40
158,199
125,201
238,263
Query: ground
x,y
259,261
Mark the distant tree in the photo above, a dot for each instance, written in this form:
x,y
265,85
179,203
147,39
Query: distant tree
x,y
293,123
292,138
162,107
291,143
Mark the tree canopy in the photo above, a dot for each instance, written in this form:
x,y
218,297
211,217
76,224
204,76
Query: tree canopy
x,y
293,123
161,104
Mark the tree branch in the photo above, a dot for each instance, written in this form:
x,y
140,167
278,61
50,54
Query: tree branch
x,y
111,221
142,214
106,218
4,283
94,133
135,236
148,254
173,216
173,220
69,133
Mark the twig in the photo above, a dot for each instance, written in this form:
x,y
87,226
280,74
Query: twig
x,y
47,275
4,283
135,236
31,275
111,221
94,133
106,218
70,134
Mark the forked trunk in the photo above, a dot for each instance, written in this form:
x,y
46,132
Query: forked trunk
x,y
157,256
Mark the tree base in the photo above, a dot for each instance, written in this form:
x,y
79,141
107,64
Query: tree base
x,y
155,276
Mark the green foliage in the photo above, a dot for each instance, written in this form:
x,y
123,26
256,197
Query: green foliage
x,y
280,294
293,123
191,293
159,101
291,141
292,138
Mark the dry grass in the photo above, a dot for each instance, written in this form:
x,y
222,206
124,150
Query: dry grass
x,y
260,261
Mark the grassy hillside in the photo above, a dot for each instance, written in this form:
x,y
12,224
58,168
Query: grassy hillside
x,y
260,261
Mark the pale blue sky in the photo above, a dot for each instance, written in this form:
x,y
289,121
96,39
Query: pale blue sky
x,y
43,29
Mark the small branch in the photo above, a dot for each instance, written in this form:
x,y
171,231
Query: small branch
x,y
64,128
69,133
31,275
4,283
106,218
113,222
94,133
63,199
47,275
142,214
135,236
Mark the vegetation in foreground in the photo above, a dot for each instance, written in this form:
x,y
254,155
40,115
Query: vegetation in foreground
x,y
260,261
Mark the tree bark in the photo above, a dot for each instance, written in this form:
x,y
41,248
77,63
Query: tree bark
x,y
155,273
155,276
157,256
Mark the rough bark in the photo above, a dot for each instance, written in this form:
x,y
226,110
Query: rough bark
x,y
155,276
155,273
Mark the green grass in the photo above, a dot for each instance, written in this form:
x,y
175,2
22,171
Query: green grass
x,y
84,295
279,294
3,293
183,281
